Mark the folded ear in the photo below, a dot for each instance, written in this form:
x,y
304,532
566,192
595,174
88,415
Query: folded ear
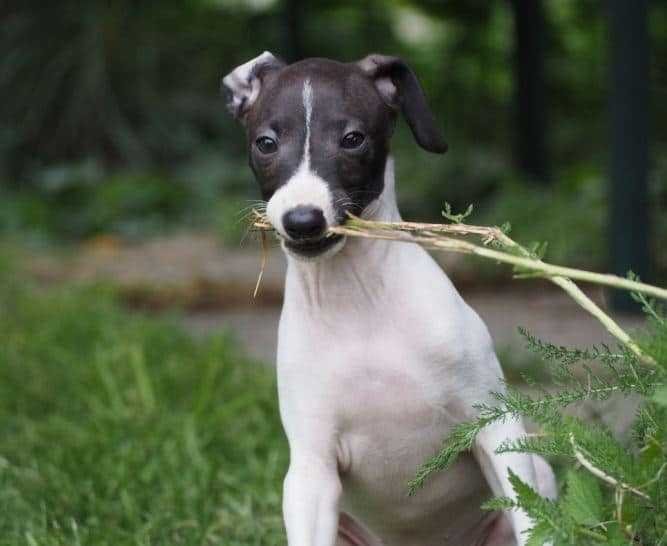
x,y
242,85
400,89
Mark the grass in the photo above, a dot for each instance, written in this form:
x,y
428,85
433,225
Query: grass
x,y
118,429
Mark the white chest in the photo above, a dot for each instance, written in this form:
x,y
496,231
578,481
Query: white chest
x,y
378,394
376,366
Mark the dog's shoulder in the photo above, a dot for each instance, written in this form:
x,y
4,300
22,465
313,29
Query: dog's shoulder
x,y
443,322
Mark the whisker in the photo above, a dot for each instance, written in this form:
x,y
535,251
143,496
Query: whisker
x,y
260,205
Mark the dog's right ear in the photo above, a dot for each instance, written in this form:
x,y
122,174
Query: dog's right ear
x,y
242,85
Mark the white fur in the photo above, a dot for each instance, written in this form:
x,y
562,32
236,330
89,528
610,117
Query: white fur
x,y
384,85
307,95
305,187
378,358
244,87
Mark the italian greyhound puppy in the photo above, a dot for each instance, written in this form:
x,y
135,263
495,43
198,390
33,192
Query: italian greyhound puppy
x,y
378,355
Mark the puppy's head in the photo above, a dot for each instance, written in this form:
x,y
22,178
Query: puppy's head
x,y
318,135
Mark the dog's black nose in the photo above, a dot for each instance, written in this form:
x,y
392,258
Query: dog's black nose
x,y
304,222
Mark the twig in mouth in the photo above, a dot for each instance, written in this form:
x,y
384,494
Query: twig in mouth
x,y
498,246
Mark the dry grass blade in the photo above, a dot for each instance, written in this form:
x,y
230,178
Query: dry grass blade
x,y
262,266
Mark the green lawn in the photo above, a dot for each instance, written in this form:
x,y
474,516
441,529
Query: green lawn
x,y
117,429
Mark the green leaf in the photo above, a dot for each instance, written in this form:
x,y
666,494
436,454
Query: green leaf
x,y
499,503
540,534
460,439
583,498
456,218
660,396
615,536
538,249
536,506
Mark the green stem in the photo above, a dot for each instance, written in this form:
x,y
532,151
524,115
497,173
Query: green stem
x,y
592,534
561,276
525,261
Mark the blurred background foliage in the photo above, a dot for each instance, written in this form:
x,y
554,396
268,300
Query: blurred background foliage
x,y
120,428
112,120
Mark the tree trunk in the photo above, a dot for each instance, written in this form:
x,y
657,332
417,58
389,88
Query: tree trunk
x,y
629,99
530,101
293,28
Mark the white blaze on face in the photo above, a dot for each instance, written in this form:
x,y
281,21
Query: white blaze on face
x,y
308,107
304,188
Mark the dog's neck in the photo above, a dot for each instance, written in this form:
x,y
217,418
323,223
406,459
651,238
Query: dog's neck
x,y
385,207
355,274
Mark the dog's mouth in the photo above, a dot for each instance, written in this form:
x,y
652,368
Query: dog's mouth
x,y
312,248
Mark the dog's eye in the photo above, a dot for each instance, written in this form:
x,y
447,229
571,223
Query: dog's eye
x,y
352,140
266,145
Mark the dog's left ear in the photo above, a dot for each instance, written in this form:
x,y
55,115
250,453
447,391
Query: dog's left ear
x,y
400,89
242,85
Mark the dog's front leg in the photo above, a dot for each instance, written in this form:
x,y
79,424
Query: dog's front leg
x,y
495,468
311,495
